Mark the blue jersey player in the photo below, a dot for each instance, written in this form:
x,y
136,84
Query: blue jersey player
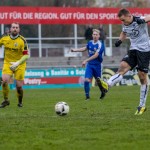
x,y
93,62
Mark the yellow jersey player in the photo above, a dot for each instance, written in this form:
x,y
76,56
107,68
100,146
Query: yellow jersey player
x,y
15,56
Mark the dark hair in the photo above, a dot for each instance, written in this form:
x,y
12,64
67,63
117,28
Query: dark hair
x,y
122,12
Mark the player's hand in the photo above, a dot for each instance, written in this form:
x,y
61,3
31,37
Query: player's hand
x,y
139,20
118,43
72,50
14,65
84,63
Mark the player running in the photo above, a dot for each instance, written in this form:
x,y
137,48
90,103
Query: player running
x,y
15,56
139,54
93,63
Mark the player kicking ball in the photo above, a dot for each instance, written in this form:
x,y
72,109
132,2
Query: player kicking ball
x,y
139,54
92,63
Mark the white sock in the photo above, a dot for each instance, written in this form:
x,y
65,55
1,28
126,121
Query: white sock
x,y
143,95
114,79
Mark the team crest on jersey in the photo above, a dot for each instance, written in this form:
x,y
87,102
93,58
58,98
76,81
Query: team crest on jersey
x,y
135,33
16,44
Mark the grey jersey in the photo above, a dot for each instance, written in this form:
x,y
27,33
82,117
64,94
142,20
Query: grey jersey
x,y
138,34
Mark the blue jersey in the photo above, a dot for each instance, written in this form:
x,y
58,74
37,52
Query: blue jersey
x,y
92,49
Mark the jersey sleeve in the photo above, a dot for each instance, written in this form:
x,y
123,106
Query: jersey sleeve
x,y
99,49
1,41
142,17
24,46
25,49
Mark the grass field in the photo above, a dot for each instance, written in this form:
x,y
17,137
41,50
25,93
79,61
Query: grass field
x,y
109,124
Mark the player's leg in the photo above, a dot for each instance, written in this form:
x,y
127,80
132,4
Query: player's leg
x,y
143,64
6,75
97,73
19,76
88,77
143,93
19,84
5,90
123,68
127,63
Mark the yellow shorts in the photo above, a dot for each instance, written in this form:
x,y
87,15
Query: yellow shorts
x,y
18,73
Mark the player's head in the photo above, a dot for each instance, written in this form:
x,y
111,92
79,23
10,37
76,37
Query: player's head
x,y
125,16
15,28
96,34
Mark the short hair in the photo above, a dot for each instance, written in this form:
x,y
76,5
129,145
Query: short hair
x,y
15,23
122,12
96,30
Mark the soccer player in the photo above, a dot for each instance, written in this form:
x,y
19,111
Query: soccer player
x,y
15,56
138,56
93,62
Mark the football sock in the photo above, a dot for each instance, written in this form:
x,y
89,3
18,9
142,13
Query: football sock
x,y
98,83
87,88
5,90
114,79
143,95
20,94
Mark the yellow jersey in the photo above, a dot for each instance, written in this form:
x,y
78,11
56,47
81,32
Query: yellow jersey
x,y
14,48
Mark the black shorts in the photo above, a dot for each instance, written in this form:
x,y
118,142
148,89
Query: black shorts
x,y
138,59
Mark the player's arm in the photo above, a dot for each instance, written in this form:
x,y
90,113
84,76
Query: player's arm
x,y
25,56
82,49
142,19
1,41
90,58
147,18
14,65
121,39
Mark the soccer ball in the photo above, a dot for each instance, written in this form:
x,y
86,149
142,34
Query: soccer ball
x,y
62,108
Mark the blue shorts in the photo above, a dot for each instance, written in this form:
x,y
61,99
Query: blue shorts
x,y
93,71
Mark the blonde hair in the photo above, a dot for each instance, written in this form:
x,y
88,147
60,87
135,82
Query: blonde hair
x,y
96,30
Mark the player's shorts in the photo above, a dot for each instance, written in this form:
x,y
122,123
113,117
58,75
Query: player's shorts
x,y
93,71
18,73
138,59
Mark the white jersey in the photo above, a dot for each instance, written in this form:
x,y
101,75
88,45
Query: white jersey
x,y
138,34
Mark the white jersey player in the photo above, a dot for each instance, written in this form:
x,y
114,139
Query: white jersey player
x,y
138,56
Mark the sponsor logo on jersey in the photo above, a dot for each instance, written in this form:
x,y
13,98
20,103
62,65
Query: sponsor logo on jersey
x,y
15,44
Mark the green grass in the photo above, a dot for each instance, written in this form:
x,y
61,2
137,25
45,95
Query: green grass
x,y
109,124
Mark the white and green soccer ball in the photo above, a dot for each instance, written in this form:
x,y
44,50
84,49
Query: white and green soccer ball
x,y
62,108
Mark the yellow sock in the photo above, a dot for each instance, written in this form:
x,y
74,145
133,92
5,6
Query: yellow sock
x,y
5,90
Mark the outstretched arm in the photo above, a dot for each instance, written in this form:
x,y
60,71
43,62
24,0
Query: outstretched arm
x,y
142,19
82,49
147,18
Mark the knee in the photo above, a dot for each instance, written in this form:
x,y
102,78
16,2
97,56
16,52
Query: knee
x,y
97,80
87,80
18,87
142,77
4,82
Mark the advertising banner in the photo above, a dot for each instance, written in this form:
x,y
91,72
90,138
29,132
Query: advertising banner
x,y
69,78
63,15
